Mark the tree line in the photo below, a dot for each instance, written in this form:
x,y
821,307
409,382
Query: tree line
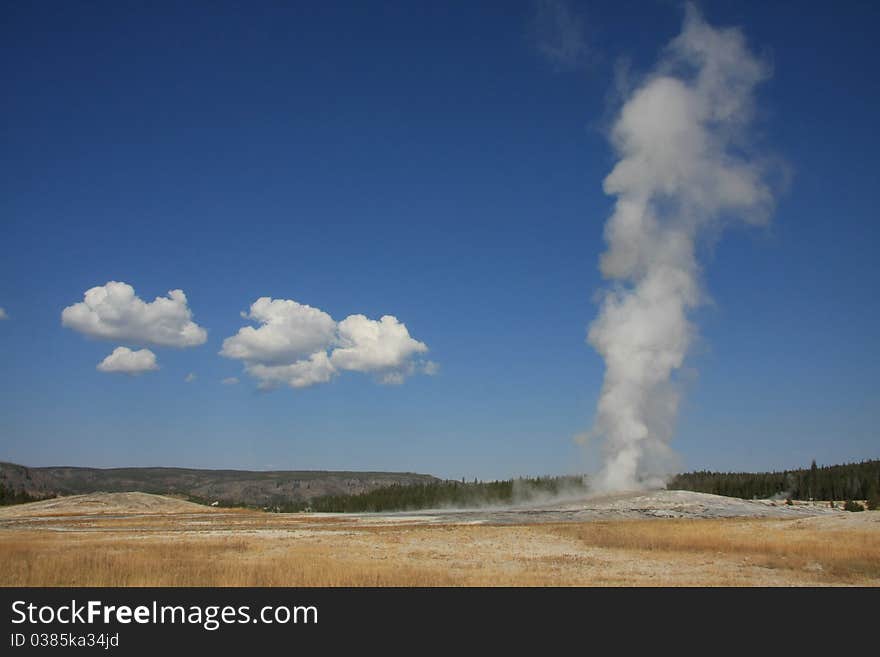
x,y
10,496
850,481
449,493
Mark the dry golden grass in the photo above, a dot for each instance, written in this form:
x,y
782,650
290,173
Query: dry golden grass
x,y
52,560
850,555
254,549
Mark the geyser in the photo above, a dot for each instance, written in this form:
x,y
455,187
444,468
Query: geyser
x,y
685,169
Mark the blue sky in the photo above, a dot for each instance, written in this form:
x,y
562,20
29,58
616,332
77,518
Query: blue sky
x,y
426,161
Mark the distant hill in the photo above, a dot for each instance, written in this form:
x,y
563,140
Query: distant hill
x,y
19,483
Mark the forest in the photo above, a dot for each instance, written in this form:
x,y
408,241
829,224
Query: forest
x,y
10,496
449,493
850,481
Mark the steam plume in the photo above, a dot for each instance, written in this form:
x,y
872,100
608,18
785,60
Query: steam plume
x,y
683,171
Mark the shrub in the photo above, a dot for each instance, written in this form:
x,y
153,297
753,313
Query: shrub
x,y
850,505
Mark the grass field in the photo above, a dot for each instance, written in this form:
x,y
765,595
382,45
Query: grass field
x,y
257,549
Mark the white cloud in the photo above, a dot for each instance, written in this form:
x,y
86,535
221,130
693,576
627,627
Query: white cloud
x,y
366,345
300,346
3,314
125,361
114,312
229,381
300,374
288,331
399,375
190,377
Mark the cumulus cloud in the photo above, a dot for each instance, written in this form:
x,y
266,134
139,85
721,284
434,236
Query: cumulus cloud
x,y
317,368
300,346
125,361
189,378
288,331
229,381
114,312
3,314
366,345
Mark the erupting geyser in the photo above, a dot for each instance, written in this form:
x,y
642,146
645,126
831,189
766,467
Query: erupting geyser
x,y
684,167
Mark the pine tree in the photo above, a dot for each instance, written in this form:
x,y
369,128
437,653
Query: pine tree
x,y
814,481
874,497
